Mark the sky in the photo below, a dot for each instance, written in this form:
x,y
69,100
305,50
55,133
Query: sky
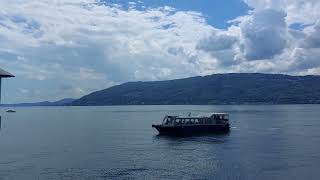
x,y
69,48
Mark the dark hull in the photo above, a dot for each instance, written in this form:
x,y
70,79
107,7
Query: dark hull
x,y
189,130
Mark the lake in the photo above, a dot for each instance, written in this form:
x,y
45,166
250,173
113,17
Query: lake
x,y
266,142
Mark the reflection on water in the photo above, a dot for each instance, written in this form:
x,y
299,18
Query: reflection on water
x,y
278,142
202,138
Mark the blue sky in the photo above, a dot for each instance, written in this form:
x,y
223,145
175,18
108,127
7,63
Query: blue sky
x,y
69,48
216,12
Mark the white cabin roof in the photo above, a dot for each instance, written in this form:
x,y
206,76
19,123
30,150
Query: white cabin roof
x,y
201,115
219,113
210,114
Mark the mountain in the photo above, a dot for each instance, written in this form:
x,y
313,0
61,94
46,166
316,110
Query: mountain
x,y
62,102
44,103
233,88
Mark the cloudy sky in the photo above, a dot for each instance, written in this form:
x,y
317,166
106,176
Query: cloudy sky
x,y
68,48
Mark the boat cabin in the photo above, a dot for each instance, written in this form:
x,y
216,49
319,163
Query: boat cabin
x,y
211,119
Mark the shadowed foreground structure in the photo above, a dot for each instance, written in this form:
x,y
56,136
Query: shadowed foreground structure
x,y
4,74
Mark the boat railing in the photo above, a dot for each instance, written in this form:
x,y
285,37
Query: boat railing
x,y
176,121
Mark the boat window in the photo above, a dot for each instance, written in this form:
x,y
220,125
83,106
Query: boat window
x,y
208,120
194,121
167,121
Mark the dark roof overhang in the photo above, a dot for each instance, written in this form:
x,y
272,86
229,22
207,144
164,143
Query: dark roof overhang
x,y
5,74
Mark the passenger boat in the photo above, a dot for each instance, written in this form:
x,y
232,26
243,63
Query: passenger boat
x,y
176,125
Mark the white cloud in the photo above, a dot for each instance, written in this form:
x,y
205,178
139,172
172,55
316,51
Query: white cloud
x,y
265,42
263,34
312,39
305,59
81,41
67,48
217,42
298,11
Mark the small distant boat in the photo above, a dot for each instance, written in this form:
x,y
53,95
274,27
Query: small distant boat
x,y
11,111
176,125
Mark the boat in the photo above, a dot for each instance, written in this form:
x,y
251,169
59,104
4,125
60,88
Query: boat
x,y
211,123
11,111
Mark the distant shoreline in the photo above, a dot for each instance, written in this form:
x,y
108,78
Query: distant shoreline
x,y
216,89
259,104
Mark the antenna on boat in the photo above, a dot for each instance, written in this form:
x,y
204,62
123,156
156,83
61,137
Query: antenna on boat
x,y
3,74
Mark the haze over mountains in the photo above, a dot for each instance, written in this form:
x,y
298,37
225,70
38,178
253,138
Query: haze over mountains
x,y
233,88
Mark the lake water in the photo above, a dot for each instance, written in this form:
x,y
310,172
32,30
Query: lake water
x,y
265,142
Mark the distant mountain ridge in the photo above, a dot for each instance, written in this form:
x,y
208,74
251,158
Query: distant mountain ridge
x,y
232,88
61,102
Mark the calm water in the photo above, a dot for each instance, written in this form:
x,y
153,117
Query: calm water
x,y
278,142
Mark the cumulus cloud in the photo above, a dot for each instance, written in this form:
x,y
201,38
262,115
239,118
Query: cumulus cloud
x,y
217,42
298,11
263,34
220,45
305,60
99,43
264,41
260,35
312,39
68,48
